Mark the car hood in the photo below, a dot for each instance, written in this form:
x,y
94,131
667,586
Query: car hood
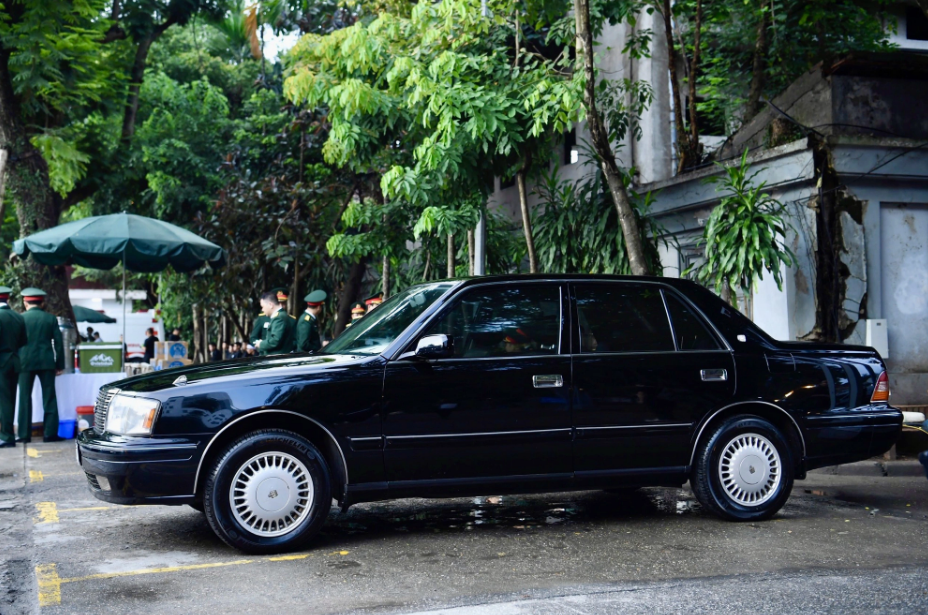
x,y
239,370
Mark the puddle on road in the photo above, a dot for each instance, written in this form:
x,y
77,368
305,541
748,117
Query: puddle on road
x,y
518,513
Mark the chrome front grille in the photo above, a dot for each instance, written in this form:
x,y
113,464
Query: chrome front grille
x,y
104,397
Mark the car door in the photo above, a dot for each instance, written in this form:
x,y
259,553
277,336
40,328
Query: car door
x,y
647,368
500,406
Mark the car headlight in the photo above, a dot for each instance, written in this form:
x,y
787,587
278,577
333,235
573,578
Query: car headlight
x,y
131,416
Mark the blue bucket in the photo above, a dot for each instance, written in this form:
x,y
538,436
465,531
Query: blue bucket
x,y
66,429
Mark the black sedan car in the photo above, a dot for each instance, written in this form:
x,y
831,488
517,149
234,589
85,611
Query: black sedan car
x,y
494,385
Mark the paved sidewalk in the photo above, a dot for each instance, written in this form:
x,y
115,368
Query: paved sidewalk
x,y
899,590
18,591
872,467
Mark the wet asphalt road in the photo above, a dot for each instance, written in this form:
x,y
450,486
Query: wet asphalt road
x,y
843,543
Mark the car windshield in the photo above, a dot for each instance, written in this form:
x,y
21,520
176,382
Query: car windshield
x,y
372,334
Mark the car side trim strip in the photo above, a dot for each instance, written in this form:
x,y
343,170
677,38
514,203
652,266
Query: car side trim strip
x,y
479,433
651,426
745,403
196,479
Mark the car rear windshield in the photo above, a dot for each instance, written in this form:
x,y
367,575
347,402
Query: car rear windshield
x,y
372,334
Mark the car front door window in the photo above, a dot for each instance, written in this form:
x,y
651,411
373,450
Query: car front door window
x,y
504,321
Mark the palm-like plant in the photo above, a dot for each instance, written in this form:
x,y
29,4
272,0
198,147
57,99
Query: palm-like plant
x,y
745,233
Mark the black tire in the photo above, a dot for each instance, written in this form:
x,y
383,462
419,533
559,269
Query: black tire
x,y
284,454
726,498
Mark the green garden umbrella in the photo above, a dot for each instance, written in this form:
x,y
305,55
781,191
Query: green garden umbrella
x,y
143,244
82,314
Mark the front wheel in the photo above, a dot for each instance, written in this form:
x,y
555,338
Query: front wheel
x,y
744,470
268,492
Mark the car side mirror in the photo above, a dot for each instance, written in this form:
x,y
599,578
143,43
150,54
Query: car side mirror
x,y
436,346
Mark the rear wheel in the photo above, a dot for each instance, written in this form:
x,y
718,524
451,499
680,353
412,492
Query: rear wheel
x,y
744,470
268,492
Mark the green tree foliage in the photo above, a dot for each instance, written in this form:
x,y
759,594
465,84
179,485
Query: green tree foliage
x,y
753,50
437,102
578,231
744,233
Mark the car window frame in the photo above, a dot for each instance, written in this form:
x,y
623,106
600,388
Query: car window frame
x,y
449,302
576,349
724,346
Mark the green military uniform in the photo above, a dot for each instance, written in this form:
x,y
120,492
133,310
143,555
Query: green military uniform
x,y
42,355
307,329
280,335
259,330
12,338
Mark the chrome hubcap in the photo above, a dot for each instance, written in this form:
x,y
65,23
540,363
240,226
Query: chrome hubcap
x,y
750,469
271,494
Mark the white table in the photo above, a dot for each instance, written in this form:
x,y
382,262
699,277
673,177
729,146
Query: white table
x,y
73,390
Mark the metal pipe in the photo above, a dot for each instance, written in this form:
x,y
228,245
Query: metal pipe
x,y
125,345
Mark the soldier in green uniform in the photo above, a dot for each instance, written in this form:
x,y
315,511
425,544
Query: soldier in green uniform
x,y
42,357
357,313
12,338
307,327
259,329
282,330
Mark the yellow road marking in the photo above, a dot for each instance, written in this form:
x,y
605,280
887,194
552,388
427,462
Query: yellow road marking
x,y
48,512
49,584
132,573
34,452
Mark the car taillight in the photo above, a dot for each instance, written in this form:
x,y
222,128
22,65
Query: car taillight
x,y
881,390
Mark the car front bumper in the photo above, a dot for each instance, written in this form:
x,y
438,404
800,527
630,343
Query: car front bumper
x,y
129,470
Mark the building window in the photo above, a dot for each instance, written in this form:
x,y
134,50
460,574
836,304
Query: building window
x,y
916,24
571,153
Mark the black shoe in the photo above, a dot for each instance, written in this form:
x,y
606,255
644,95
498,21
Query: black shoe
x,y
53,439
5,444
24,440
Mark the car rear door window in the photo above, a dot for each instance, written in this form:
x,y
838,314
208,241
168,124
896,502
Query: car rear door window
x,y
619,317
503,320
689,330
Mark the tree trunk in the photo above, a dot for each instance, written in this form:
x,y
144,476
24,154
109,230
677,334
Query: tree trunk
x,y
38,207
4,156
237,323
349,295
205,331
386,276
197,351
694,67
633,244
295,291
450,255
685,155
758,66
527,220
470,252
137,75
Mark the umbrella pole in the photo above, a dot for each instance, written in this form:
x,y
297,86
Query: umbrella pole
x,y
124,344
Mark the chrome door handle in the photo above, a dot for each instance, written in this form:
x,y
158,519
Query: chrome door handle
x,y
548,381
714,375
